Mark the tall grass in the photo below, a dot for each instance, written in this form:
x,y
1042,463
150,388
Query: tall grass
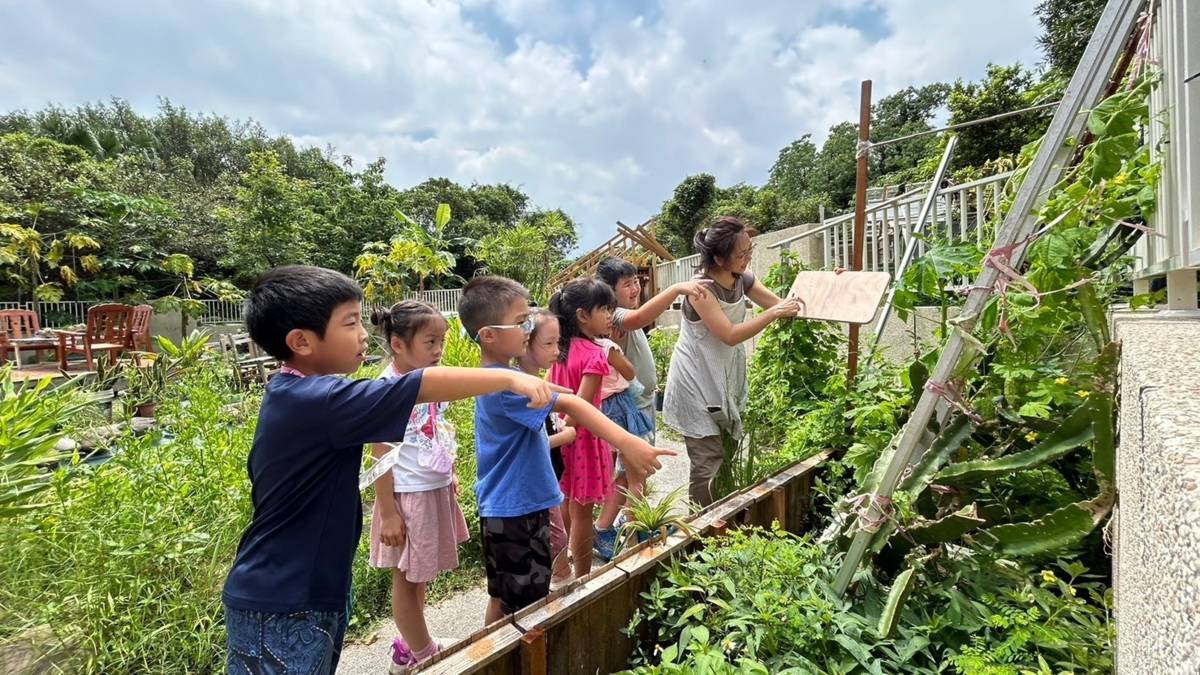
x,y
126,560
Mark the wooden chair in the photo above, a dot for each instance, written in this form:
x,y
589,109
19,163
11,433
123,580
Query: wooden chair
x,y
17,324
139,330
108,330
247,360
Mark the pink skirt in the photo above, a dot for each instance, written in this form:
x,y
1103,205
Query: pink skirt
x,y
435,527
588,473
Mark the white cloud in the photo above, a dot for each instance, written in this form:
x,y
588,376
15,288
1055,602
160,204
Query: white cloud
x,y
598,107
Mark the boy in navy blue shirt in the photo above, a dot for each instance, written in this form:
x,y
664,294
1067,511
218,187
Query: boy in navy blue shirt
x,y
286,597
516,485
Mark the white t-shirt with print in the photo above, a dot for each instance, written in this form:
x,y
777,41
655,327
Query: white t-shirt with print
x,y
425,460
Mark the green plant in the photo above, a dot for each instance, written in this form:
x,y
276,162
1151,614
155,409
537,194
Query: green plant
x,y
32,421
758,601
414,255
1039,387
662,346
127,557
188,352
792,367
147,380
655,518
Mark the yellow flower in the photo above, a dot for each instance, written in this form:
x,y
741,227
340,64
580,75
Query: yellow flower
x,y
1061,381
1083,393
1119,179
1031,436
1048,577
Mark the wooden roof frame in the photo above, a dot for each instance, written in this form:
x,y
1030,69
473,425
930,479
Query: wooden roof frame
x,y
637,245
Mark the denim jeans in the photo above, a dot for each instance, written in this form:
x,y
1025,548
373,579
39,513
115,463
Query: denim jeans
x,y
300,643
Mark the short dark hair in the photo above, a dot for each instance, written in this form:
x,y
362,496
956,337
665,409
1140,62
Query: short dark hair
x,y
719,239
485,300
404,319
291,297
613,269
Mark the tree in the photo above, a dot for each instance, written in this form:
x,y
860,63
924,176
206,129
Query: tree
x,y
417,254
1067,26
530,252
905,112
1003,89
836,165
686,212
270,223
793,174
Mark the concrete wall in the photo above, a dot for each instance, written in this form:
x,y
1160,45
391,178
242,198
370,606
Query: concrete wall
x,y
169,325
1157,525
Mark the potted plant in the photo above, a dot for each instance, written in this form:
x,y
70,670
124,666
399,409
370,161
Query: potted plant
x,y
662,344
147,380
655,521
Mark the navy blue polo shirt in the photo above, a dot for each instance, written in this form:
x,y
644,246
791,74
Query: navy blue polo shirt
x,y
304,463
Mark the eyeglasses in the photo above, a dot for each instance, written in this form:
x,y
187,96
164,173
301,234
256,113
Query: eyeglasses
x,y
526,326
744,255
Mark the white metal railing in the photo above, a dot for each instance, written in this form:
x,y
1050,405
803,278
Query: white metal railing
x,y
1174,128
71,312
445,299
961,213
674,271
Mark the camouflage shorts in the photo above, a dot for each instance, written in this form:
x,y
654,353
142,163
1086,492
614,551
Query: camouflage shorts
x,y
516,552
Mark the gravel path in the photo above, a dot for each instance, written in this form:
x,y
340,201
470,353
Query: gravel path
x,y
462,614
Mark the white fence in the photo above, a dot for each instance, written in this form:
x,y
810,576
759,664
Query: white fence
x,y
963,212
71,312
1173,134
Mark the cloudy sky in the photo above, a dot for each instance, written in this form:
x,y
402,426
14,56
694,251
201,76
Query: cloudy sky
x,y
597,106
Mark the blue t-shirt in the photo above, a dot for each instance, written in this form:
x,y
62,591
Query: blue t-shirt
x,y
515,477
297,553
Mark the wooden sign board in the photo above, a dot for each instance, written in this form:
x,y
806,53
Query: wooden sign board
x,y
849,297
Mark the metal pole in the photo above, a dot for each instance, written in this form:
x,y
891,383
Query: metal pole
x,y
1093,73
911,248
860,215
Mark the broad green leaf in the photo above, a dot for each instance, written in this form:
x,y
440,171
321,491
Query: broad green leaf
x,y
895,603
952,437
946,529
1094,315
1061,528
1074,432
1101,400
442,216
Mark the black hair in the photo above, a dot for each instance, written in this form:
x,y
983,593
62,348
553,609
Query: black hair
x,y
486,299
719,240
612,270
295,297
404,319
587,294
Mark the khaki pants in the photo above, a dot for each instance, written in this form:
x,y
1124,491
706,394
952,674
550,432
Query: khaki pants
x,y
705,456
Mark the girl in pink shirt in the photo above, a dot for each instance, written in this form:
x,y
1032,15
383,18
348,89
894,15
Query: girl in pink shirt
x,y
584,308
